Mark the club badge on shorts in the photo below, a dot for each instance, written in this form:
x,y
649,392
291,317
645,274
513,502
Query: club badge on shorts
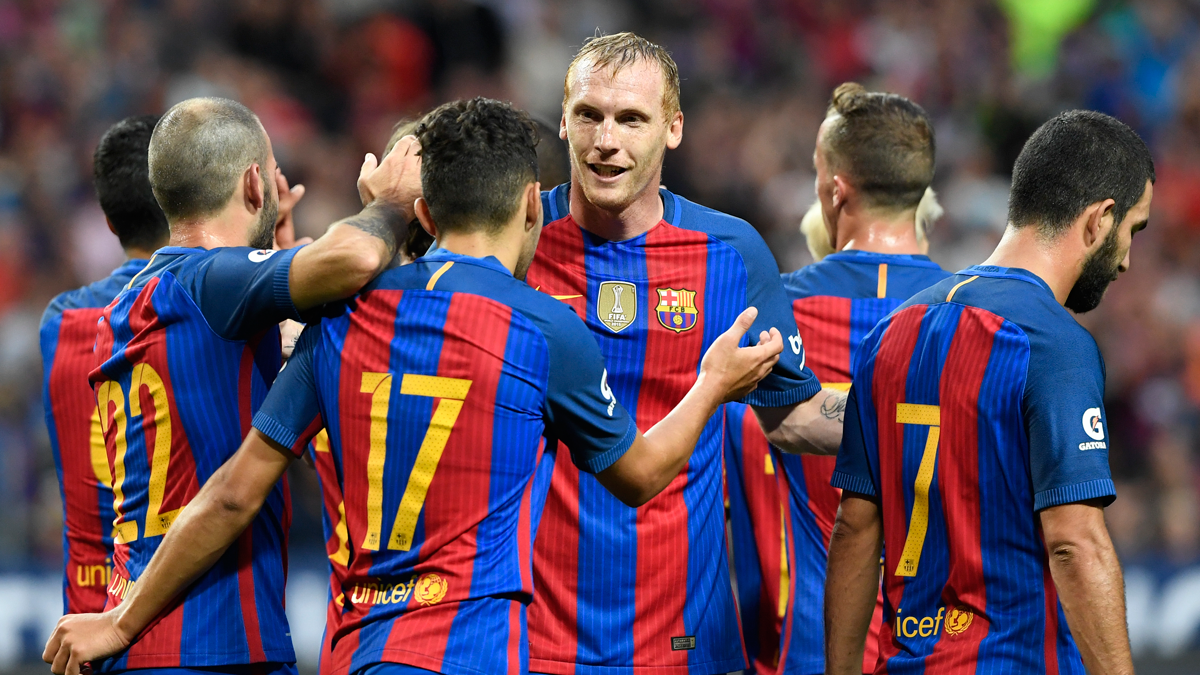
x,y
677,309
616,304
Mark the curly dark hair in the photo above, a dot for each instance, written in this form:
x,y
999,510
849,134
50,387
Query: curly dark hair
x,y
121,173
476,158
884,142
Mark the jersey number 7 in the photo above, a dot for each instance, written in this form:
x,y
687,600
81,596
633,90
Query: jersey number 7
x,y
452,392
928,416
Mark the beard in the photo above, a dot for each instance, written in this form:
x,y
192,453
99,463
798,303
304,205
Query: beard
x,y
1099,270
262,233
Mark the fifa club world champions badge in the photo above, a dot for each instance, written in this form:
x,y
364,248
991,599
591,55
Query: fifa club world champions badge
x,y
677,309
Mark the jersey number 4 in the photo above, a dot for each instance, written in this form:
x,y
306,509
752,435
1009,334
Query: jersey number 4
x,y
927,416
110,393
451,392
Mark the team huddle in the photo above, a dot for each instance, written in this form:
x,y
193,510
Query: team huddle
x,y
528,435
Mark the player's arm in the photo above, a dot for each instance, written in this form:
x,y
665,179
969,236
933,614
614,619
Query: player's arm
x,y
204,530
810,427
1090,585
727,373
795,413
357,248
852,582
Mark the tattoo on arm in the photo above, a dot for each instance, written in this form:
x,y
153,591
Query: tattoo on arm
x,y
834,406
381,221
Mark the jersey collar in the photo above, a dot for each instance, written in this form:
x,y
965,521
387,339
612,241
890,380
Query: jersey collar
x,y
560,204
1015,273
131,267
872,258
443,255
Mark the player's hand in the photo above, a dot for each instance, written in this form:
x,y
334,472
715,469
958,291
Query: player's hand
x,y
736,371
79,639
285,228
396,180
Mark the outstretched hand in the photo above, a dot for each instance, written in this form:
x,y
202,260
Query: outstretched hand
x,y
396,180
736,371
79,639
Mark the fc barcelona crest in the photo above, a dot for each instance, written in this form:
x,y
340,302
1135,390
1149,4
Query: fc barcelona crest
x,y
616,304
677,309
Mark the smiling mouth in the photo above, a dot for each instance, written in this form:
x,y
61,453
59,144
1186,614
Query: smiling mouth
x,y
606,171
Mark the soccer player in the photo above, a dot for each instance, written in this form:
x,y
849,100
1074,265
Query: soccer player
x,y
874,161
657,279
186,354
441,377
976,449
68,332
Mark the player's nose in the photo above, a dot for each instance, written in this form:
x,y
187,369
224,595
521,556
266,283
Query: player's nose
x,y
607,141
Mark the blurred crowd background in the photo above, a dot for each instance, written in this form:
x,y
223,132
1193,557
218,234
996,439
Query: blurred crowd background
x,y
330,78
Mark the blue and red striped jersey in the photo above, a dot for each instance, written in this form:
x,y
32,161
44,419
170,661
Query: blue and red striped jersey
x,y
441,510
337,543
975,404
67,335
757,501
185,357
837,301
620,587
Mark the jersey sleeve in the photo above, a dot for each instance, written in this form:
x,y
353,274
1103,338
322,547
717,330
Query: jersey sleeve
x,y
581,409
290,415
790,382
245,290
853,469
1064,415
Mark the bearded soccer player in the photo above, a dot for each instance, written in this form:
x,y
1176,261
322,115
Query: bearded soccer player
x,y
185,356
657,279
976,449
68,333
442,377
874,161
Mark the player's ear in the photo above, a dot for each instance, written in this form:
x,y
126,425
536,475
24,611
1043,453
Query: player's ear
x,y
533,205
423,215
1098,221
675,130
841,190
254,188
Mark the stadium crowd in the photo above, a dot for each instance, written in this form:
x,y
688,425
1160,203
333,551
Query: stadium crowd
x,y
330,79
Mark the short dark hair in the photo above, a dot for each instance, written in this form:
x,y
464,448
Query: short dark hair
x,y
1078,158
476,156
121,174
884,142
199,150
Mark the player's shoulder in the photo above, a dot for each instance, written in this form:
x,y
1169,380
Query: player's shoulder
x,y
721,227
95,295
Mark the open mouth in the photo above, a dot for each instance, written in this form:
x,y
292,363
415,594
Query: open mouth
x,y
605,171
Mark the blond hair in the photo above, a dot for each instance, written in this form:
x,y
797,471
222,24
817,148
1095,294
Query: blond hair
x,y
616,51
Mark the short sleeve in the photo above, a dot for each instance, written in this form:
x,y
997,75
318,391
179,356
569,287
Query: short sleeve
x,y
1064,415
245,290
581,409
790,382
291,415
853,468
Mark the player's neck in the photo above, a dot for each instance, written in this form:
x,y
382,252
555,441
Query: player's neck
x,y
876,233
139,253
224,229
1025,248
632,221
506,249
